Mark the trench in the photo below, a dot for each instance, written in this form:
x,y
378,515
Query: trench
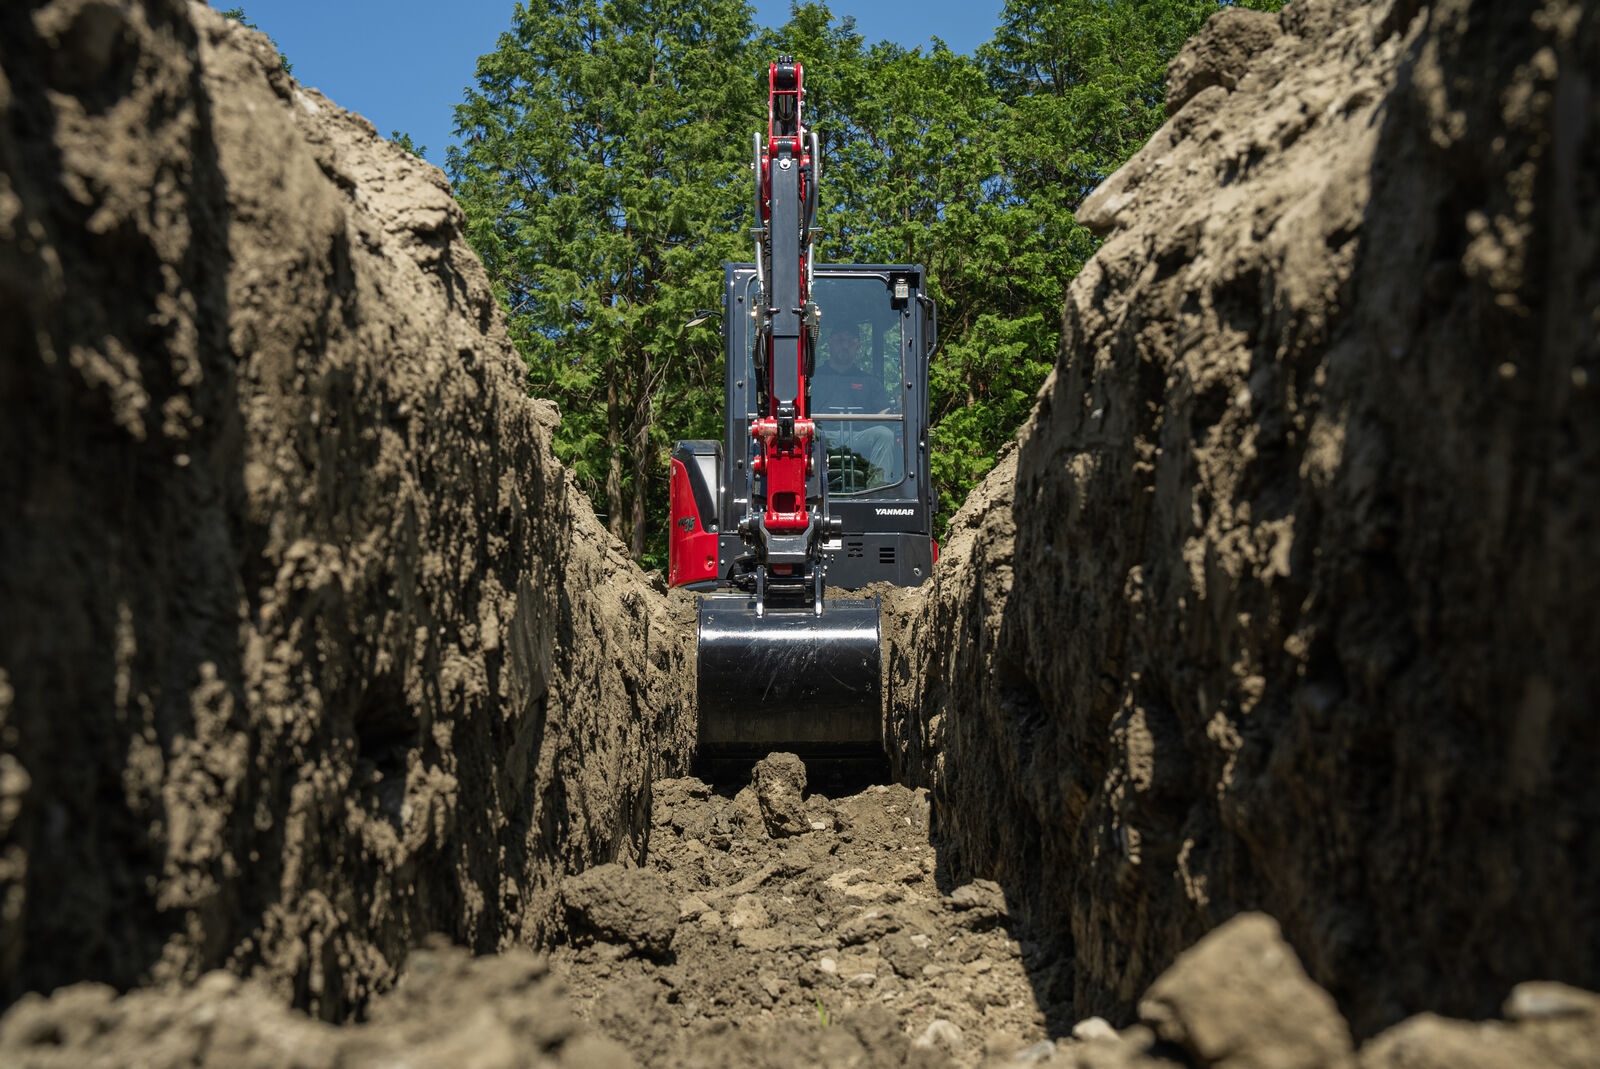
x,y
1246,719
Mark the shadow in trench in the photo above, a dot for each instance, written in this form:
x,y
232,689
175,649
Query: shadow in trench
x,y
1134,764
117,572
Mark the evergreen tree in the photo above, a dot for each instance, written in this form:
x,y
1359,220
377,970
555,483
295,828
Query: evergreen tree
x,y
974,167
405,142
604,176
604,172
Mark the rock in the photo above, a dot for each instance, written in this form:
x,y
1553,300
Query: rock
x,y
622,905
904,955
940,1035
1238,999
829,966
1540,1000
780,784
1219,54
748,912
689,908
1093,1028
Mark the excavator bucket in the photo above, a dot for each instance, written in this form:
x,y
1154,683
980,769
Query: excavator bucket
x,y
789,679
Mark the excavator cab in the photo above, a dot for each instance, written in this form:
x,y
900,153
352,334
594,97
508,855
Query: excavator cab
x,y
871,412
820,478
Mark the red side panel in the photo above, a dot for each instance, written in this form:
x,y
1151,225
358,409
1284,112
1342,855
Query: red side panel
x,y
691,549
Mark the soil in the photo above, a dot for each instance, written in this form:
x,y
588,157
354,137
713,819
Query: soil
x,y
1248,708
1284,601
751,938
309,648
795,914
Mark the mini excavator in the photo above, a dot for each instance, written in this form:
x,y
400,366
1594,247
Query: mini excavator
x,y
821,476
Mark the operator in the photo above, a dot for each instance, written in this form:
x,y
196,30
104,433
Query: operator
x,y
841,386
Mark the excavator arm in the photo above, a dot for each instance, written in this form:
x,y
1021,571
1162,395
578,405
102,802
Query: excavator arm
x,y
785,535
780,668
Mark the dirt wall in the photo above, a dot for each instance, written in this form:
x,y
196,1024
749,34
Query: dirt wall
x,y
1285,601
308,648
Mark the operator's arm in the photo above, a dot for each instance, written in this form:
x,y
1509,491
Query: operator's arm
x,y
880,397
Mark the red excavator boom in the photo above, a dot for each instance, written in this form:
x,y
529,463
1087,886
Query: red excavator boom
x,y
781,667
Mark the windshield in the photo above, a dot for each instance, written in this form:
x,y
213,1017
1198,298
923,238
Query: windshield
x,y
858,381
858,349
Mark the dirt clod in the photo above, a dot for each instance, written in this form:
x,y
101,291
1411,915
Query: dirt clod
x,y
621,905
780,783
1239,999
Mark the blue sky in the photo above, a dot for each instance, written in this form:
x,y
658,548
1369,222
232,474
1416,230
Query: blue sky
x,y
404,63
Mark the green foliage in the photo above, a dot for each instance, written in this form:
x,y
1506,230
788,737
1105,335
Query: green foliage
x,y
974,167
237,15
604,175
405,142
